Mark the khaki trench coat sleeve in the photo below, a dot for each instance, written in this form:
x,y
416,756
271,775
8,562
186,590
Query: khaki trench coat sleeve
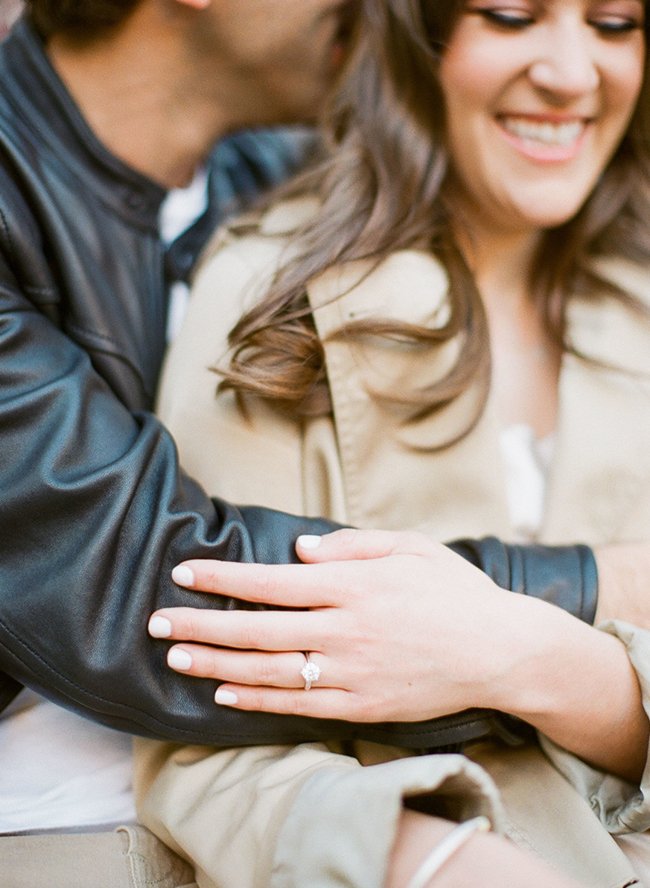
x,y
621,807
287,817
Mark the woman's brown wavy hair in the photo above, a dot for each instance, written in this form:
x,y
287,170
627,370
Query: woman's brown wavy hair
x,y
382,188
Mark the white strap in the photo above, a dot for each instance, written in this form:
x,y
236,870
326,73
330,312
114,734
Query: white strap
x,y
445,849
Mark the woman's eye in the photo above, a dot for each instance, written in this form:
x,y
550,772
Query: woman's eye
x,y
617,16
504,17
616,25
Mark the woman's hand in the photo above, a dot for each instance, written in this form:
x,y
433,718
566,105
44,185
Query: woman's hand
x,y
400,628
403,629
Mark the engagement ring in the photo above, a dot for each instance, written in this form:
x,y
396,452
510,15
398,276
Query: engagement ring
x,y
310,672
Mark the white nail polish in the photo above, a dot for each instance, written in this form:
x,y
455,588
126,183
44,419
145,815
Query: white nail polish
x,y
160,627
226,698
179,659
308,541
183,576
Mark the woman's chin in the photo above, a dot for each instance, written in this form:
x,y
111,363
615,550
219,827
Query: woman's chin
x,y
537,215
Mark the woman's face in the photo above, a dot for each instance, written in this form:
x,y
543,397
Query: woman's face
x,y
538,95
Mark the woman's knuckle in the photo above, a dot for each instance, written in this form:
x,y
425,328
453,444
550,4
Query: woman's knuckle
x,y
364,709
206,576
254,701
266,588
251,637
295,704
190,626
348,535
267,674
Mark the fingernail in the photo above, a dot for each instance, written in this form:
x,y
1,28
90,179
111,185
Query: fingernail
x,y
179,659
307,541
183,576
160,627
226,698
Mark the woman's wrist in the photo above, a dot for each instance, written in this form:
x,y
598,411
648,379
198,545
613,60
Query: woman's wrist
x,y
536,640
442,853
416,834
488,860
623,571
574,684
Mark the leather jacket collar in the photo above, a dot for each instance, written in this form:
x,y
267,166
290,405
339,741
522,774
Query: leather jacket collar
x,y
33,91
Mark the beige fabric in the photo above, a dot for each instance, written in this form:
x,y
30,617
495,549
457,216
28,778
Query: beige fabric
x,y
296,816
636,847
290,817
130,857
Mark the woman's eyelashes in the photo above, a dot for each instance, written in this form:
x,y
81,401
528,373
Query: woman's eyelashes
x,y
609,22
613,25
504,17
617,16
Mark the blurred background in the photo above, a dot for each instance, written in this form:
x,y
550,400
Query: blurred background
x,y
9,12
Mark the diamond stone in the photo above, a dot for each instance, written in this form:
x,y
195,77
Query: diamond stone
x,y
310,672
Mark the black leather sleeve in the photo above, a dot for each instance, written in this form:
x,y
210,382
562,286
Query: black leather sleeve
x,y
566,576
94,514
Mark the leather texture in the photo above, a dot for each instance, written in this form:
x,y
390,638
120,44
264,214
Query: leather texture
x,y
95,509
563,575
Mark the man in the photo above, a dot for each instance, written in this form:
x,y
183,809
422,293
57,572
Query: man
x,y
105,106
84,471
90,487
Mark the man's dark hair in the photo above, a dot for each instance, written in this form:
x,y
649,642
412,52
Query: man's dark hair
x,y
79,19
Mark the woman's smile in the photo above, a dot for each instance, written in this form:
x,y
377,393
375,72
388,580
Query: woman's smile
x,y
545,139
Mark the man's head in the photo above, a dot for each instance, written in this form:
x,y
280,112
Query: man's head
x,y
286,50
83,19
160,80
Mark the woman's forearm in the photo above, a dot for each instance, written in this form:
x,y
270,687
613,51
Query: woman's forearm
x,y
574,684
624,583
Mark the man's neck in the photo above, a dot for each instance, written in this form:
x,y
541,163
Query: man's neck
x,y
143,101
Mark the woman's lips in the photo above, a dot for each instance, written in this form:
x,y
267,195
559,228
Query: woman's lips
x,y
544,139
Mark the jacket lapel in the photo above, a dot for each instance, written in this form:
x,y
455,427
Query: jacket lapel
x,y
601,473
600,481
380,453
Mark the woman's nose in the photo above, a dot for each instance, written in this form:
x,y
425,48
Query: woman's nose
x,y
566,66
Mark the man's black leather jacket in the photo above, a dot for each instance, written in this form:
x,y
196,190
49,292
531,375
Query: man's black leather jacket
x,y
94,510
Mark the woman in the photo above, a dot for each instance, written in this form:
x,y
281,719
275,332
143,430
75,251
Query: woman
x,y
485,207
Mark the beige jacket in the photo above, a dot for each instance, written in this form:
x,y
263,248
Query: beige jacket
x,y
295,817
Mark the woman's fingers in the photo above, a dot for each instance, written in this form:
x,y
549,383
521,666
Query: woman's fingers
x,y
394,628
277,669
287,585
361,545
316,703
247,630
316,584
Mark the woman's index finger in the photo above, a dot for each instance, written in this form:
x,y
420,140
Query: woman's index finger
x,y
281,585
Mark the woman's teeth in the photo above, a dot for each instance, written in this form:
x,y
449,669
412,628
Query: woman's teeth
x,y
547,133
